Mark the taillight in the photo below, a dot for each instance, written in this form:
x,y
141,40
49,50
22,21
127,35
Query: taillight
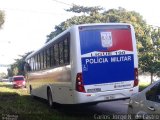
x,y
135,77
79,83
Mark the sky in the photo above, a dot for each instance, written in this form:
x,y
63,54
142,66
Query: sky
x,y
28,22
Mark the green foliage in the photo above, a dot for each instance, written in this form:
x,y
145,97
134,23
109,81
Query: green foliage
x,y
2,75
1,18
82,9
17,68
149,53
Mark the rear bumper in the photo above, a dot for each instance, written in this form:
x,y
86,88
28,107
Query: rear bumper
x,y
18,86
104,96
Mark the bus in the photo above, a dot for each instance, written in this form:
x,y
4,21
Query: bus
x,y
87,63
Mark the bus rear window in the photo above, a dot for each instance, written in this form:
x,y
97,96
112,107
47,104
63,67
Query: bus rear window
x,y
105,39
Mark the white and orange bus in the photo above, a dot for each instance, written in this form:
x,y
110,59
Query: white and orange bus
x,y
84,64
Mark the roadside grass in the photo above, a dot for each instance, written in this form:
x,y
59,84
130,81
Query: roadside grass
x,y
18,103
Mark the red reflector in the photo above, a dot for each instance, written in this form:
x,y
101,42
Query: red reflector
x,y
136,77
88,95
79,83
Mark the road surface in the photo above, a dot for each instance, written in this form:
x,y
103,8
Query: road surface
x,y
105,110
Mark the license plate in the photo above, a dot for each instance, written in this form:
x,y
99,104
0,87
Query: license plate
x,y
110,97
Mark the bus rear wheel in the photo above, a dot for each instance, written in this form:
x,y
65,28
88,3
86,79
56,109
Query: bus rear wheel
x,y
50,99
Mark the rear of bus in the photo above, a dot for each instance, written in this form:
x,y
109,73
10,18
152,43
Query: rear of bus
x,y
109,63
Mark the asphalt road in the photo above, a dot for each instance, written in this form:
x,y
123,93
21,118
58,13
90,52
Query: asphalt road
x,y
116,107
106,108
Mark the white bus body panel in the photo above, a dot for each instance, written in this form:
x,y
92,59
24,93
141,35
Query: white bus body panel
x,y
104,96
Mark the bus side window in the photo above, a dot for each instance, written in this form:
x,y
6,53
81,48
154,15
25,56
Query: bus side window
x,y
38,61
41,60
61,53
52,60
48,58
56,54
45,59
66,50
27,67
32,64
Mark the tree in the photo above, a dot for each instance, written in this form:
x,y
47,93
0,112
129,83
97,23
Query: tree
x,y
82,9
1,18
150,53
17,68
2,75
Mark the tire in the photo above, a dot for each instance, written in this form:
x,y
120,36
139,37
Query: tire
x,y
50,99
30,89
94,104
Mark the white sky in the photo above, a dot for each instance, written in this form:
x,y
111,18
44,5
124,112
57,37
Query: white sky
x,y
27,22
